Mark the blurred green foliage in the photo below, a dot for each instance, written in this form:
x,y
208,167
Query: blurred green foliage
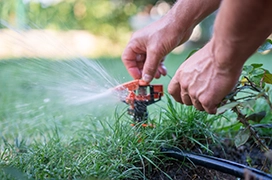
x,y
102,17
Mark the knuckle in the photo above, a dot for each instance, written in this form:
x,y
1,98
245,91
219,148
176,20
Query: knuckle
x,y
153,49
156,50
208,105
184,87
205,103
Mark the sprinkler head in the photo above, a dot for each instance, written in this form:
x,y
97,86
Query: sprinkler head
x,y
140,94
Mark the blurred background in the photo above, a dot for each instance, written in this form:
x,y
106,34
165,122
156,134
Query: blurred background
x,y
90,28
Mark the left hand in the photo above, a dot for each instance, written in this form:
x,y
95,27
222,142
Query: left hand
x,y
202,81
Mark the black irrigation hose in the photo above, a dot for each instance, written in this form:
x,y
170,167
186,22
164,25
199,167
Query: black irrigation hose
x,y
218,164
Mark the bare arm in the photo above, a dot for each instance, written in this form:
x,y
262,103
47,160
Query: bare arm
x,y
211,73
188,13
147,47
240,28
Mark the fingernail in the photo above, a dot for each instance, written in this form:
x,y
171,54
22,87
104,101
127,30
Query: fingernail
x,y
147,78
139,57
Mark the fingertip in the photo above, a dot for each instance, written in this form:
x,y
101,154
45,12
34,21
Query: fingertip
x,y
157,75
147,78
162,69
174,90
186,99
211,110
178,99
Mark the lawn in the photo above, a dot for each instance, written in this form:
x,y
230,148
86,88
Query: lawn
x,y
58,122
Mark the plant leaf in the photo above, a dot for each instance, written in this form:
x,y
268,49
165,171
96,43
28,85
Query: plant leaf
x,y
256,65
248,69
226,107
242,137
258,72
267,78
256,117
248,103
267,45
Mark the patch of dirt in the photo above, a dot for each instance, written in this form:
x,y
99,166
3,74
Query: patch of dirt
x,y
249,155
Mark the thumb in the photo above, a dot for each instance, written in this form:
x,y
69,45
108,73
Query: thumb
x,y
151,65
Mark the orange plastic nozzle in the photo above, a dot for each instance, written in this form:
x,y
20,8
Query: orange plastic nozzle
x,y
143,83
131,86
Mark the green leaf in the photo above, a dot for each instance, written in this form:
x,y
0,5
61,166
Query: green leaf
x,y
256,117
266,71
258,72
267,78
267,45
248,69
248,103
226,107
242,137
256,65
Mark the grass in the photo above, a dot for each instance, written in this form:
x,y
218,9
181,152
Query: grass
x,y
43,137
116,151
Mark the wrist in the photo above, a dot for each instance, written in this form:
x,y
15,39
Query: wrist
x,y
226,55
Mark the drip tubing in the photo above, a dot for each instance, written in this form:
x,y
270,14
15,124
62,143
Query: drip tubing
x,y
210,162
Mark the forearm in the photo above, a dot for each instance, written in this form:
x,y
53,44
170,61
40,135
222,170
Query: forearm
x,y
188,13
240,28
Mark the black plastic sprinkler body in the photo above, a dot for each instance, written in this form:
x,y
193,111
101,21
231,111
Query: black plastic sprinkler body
x,y
222,165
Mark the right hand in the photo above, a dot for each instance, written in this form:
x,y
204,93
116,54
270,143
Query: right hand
x,y
204,81
144,54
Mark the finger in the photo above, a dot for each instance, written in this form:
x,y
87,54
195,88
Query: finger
x,y
186,99
209,107
210,110
157,75
129,58
162,69
140,57
140,65
174,90
197,105
151,65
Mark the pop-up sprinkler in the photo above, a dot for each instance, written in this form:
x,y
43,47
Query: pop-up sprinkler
x,y
139,95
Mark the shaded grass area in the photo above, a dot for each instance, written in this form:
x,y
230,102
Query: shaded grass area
x,y
43,137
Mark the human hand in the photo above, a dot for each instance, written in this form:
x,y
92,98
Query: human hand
x,y
202,81
144,55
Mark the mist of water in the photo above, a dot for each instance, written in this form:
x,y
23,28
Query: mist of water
x,y
49,92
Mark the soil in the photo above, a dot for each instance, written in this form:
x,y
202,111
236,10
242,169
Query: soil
x,y
248,154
